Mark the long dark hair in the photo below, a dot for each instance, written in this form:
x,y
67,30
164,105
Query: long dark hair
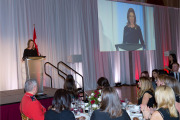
x,y
146,74
156,71
131,10
174,58
70,86
110,102
61,100
103,82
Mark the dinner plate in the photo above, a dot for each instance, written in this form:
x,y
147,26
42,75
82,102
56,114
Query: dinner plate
x,y
82,114
139,116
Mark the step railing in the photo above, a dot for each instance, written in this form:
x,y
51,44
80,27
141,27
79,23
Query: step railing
x,y
56,69
74,72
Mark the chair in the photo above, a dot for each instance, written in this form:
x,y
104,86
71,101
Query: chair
x,y
24,117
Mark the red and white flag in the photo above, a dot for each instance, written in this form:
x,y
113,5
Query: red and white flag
x,y
34,39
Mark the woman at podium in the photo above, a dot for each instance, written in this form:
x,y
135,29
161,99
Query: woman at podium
x,y
30,50
132,32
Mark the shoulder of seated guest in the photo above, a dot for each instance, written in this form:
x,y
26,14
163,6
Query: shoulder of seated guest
x,y
31,97
147,95
156,116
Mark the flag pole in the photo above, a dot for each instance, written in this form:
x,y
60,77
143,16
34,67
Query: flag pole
x,y
34,39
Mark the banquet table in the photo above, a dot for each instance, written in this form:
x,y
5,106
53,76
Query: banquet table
x,y
132,110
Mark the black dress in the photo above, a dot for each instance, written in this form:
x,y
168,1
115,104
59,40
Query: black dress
x,y
99,115
170,66
177,98
29,53
151,101
63,115
166,115
132,35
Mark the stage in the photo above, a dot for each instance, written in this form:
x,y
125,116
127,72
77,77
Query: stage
x,y
10,100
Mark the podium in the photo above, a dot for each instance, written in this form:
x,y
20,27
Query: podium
x,y
34,70
128,47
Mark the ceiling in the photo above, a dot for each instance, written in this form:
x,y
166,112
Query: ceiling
x,y
169,3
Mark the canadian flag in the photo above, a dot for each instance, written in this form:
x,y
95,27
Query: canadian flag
x,y
34,39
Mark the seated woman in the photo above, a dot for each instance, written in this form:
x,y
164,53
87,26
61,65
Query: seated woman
x,y
110,108
145,74
70,86
146,92
60,107
174,84
155,74
160,80
166,110
102,82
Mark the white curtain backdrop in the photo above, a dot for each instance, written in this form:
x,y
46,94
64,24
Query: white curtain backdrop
x,y
70,27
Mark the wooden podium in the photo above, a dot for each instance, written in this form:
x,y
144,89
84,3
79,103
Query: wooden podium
x,y
34,70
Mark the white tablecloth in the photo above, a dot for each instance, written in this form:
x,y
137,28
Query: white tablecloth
x,y
134,111
83,114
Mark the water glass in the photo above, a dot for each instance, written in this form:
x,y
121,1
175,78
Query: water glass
x,y
127,101
124,104
90,111
75,111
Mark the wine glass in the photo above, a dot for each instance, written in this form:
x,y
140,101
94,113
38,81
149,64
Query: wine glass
x,y
73,103
90,111
126,101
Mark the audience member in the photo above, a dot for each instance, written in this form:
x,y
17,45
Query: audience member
x,y
166,110
70,86
160,80
102,82
174,84
145,74
162,72
60,107
30,106
110,108
155,74
146,92
175,73
172,59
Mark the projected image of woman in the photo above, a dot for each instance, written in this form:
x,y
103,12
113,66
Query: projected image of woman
x,y
132,32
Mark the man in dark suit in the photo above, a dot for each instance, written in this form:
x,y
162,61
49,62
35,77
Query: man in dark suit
x,y
175,73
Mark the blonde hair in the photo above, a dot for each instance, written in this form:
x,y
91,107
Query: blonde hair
x,y
165,98
29,43
146,85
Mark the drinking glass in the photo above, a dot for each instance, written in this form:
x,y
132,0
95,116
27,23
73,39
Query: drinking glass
x,y
73,104
75,111
90,111
126,100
